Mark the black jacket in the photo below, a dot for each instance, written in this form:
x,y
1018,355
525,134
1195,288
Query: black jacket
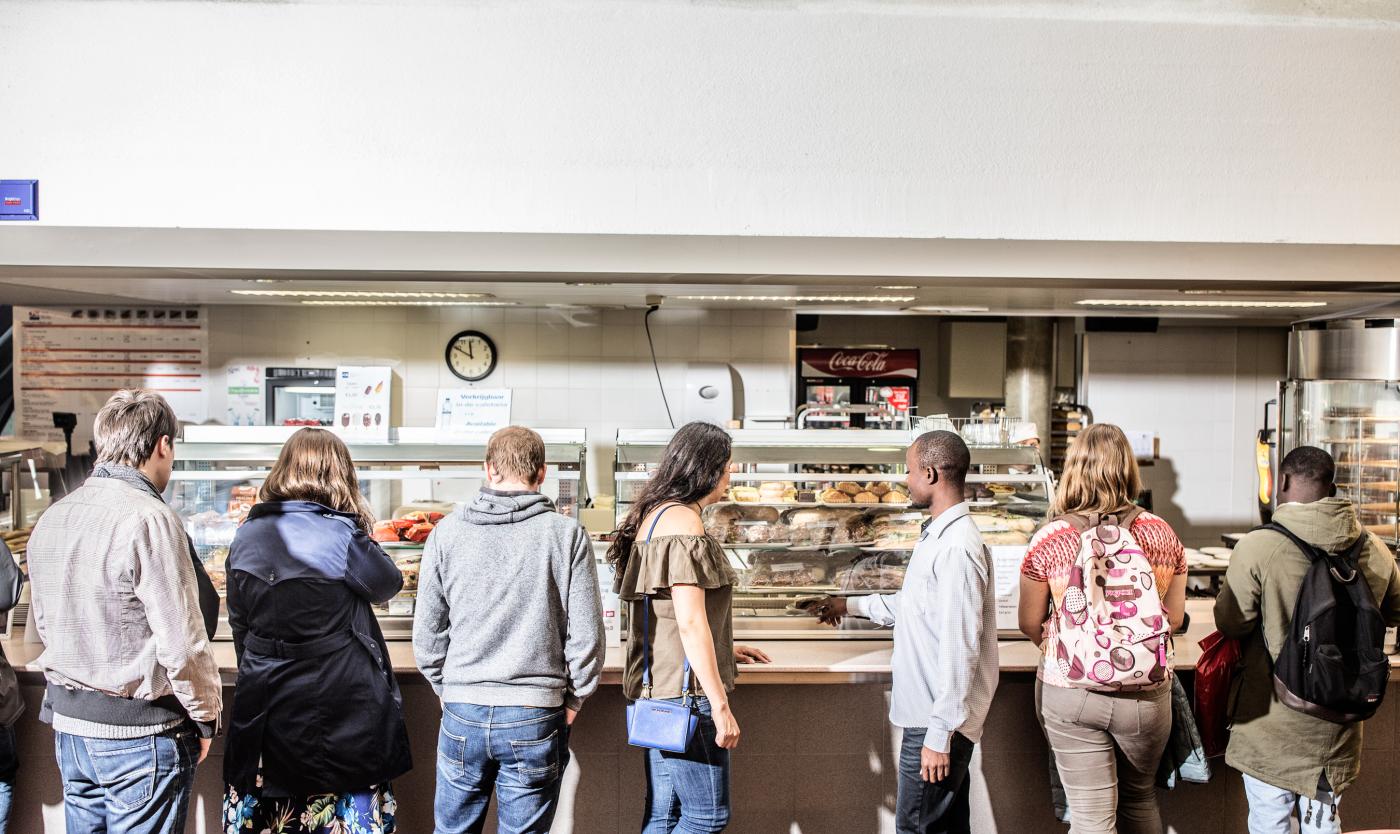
x,y
315,698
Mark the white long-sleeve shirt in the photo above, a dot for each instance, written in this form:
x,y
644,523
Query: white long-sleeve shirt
x,y
945,636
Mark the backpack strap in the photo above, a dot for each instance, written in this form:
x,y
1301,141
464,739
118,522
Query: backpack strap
x,y
1085,521
1338,563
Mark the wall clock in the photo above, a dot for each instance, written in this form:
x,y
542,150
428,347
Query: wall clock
x,y
471,355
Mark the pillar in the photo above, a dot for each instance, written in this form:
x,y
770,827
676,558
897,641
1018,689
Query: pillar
x,y
1030,371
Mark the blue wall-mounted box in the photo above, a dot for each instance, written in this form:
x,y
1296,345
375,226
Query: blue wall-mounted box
x,y
19,199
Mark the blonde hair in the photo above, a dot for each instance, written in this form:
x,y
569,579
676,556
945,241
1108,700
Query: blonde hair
x,y
1101,473
129,427
315,466
516,452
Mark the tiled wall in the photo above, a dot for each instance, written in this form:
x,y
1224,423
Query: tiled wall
x,y
595,373
1202,390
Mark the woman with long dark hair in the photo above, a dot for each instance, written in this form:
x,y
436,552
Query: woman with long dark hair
x,y
317,729
663,556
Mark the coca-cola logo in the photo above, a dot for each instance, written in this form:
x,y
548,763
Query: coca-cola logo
x,y
870,361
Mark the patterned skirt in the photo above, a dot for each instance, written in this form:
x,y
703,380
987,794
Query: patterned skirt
x,y
361,812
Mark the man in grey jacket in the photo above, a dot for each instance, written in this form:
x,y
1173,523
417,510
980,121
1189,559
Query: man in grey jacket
x,y
509,633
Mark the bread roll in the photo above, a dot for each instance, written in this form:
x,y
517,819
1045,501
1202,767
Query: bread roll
x,y
744,494
894,497
834,496
877,487
865,498
849,487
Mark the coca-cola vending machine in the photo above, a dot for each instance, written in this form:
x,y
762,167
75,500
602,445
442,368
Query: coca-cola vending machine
x,y
857,388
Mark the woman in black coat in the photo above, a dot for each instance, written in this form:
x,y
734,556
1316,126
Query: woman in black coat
x,y
317,729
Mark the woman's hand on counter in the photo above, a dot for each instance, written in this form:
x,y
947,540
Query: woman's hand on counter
x,y
748,654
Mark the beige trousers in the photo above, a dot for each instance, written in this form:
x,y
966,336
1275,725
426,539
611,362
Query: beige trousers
x,y
1107,748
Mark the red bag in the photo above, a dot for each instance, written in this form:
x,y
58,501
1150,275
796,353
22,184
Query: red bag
x,y
1215,670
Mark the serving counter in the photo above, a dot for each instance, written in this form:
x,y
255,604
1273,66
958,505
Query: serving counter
x,y
817,753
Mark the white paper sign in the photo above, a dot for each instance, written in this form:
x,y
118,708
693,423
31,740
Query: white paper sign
x,y
473,410
362,396
1144,443
1006,572
245,395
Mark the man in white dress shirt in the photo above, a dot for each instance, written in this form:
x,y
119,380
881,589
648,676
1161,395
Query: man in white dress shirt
x,y
945,641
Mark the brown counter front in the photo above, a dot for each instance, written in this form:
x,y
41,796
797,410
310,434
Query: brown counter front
x,y
817,753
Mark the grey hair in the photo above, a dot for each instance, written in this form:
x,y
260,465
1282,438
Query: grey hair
x,y
130,426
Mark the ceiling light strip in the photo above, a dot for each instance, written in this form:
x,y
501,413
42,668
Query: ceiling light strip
x,y
400,303
1202,303
357,294
800,299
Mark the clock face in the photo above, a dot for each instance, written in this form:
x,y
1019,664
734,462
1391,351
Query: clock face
x,y
471,355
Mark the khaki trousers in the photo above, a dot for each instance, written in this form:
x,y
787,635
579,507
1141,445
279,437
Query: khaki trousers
x,y
1107,748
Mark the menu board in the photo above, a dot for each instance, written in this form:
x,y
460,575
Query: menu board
x,y
362,397
71,359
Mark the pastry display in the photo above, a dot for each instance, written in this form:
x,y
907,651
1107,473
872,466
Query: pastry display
x,y
997,522
850,487
827,526
897,530
805,496
1001,489
1002,537
834,496
788,570
865,497
773,492
744,494
870,575
895,496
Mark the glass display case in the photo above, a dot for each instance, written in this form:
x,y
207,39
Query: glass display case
x,y
409,483
811,513
1343,395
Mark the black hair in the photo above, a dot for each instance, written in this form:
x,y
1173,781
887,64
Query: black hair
x,y
691,467
946,452
1311,464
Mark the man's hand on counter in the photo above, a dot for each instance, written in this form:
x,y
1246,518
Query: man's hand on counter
x,y
748,654
831,610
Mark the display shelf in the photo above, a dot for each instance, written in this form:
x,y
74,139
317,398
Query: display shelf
x,y
798,457
219,469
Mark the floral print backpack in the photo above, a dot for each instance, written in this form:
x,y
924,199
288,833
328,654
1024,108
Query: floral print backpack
x,y
1112,631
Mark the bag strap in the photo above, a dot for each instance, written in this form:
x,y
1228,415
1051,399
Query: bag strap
x,y
1087,521
1337,563
646,628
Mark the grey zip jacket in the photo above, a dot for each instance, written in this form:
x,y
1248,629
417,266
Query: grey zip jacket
x,y
508,609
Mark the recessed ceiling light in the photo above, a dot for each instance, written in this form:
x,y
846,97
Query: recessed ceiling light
x,y
804,299
1176,302
357,294
397,303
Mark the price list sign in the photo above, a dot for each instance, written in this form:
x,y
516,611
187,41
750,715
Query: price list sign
x,y
72,359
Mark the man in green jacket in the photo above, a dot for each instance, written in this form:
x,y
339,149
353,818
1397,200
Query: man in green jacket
x,y
1288,758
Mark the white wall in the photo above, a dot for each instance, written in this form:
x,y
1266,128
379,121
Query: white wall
x,y
1206,121
1202,391
599,378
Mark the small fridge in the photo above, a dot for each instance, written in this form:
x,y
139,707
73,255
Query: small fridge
x,y
856,387
300,396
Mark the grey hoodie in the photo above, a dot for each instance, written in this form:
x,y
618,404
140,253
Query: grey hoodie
x,y
508,607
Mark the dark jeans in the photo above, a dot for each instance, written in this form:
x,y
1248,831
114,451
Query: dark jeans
x,y
929,807
127,786
9,763
689,792
521,752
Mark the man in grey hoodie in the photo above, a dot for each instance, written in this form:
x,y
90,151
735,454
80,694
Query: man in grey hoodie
x,y
509,632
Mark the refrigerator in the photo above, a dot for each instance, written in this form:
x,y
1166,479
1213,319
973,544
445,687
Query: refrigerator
x,y
300,396
856,387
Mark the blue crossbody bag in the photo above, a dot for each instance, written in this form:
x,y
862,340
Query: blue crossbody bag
x,y
660,725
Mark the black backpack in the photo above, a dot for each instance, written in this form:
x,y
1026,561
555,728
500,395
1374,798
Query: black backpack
x,y
1331,665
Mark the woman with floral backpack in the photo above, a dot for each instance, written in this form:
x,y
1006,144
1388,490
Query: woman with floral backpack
x,y
1103,586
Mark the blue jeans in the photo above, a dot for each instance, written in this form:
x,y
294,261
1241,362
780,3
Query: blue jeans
x,y
521,752
9,763
1271,809
127,786
689,792
927,807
